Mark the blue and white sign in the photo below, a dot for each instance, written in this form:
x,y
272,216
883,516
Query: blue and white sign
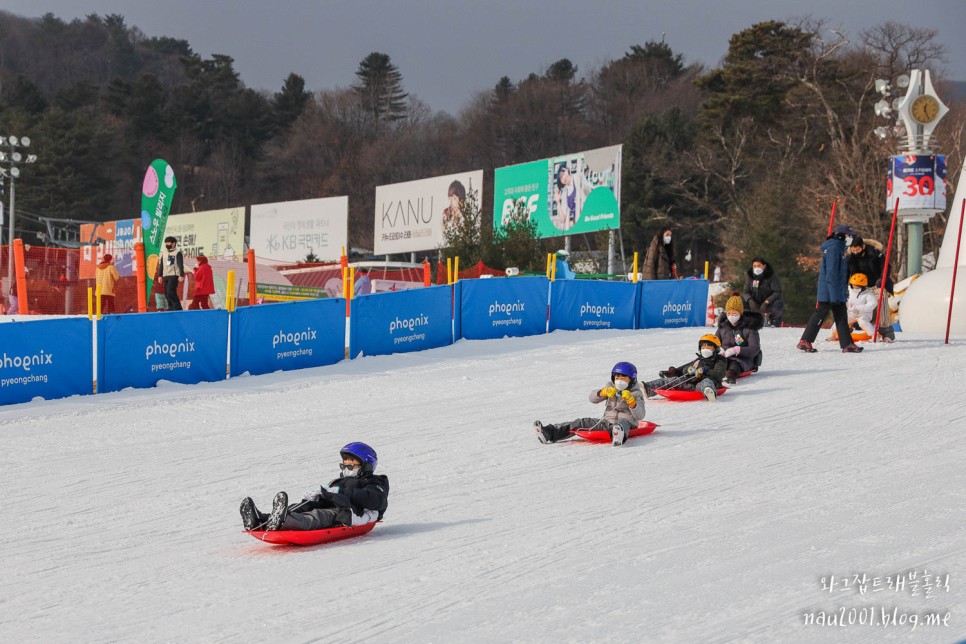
x,y
577,305
401,321
503,306
45,358
181,346
673,303
293,335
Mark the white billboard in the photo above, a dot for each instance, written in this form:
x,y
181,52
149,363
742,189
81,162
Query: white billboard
x,y
290,231
218,234
411,216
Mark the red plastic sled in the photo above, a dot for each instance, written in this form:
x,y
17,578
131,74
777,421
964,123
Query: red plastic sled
x,y
745,374
681,395
643,428
310,537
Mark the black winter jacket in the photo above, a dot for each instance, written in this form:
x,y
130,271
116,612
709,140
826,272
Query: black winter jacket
x,y
358,493
870,262
764,291
743,335
714,368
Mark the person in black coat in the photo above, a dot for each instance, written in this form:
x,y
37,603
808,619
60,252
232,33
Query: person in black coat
x,y
869,260
357,497
833,288
763,292
740,344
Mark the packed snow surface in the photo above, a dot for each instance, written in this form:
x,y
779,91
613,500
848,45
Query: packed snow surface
x,y
122,521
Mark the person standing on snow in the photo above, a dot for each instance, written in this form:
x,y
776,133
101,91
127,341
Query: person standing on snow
x,y
704,374
659,259
623,411
363,284
869,260
833,289
170,272
204,285
740,344
105,278
357,497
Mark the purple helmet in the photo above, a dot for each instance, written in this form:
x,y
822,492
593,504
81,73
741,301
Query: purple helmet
x,y
624,369
365,454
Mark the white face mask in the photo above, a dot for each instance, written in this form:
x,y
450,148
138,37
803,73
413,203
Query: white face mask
x,y
734,319
757,270
855,290
620,385
347,473
667,239
707,353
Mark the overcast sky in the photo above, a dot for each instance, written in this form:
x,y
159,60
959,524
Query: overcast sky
x,y
449,50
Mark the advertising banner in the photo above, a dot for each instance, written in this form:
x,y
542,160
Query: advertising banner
x,y
575,193
918,181
116,238
180,346
400,322
582,304
293,335
157,192
46,359
503,307
290,231
673,303
412,216
216,234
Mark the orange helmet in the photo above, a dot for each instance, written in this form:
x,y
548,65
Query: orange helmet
x,y
859,279
709,338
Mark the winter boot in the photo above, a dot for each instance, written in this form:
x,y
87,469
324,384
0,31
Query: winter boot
x,y
730,376
250,515
710,394
806,346
852,348
618,435
279,512
887,334
648,390
542,434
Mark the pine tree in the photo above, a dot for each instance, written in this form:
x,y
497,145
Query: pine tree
x,y
380,88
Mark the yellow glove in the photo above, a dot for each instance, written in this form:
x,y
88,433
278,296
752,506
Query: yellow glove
x,y
629,399
607,392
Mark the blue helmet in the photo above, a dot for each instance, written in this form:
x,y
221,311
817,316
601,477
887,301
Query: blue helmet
x,y
364,453
624,369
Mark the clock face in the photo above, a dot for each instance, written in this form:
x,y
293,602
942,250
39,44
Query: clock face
x,y
925,109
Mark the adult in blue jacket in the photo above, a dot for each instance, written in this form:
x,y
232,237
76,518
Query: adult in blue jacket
x,y
833,292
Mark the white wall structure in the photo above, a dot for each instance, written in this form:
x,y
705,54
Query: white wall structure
x,y
924,307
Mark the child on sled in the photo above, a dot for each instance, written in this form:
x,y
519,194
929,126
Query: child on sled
x,y
704,374
860,309
623,410
357,497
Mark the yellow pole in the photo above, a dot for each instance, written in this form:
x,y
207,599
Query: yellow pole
x,y
449,270
456,270
706,270
352,283
230,292
635,267
553,272
549,255
97,294
90,303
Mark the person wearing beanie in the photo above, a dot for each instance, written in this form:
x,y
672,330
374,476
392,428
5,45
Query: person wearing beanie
x,y
105,278
740,344
763,292
833,289
204,285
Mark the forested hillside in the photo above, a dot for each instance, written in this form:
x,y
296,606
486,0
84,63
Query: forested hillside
x,y
742,160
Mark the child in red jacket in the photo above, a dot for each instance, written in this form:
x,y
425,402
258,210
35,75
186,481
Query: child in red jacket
x,y
204,285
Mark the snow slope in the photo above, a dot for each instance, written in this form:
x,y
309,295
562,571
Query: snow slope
x,y
122,509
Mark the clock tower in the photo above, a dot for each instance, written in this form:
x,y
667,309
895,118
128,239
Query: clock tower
x,y
920,111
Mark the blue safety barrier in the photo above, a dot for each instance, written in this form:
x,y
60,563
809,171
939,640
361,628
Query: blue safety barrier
x,y
45,358
673,303
401,321
181,346
503,306
291,335
579,305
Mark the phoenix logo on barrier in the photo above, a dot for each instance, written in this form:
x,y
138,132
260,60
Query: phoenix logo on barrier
x,y
597,310
507,308
677,309
293,338
408,325
26,362
171,349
